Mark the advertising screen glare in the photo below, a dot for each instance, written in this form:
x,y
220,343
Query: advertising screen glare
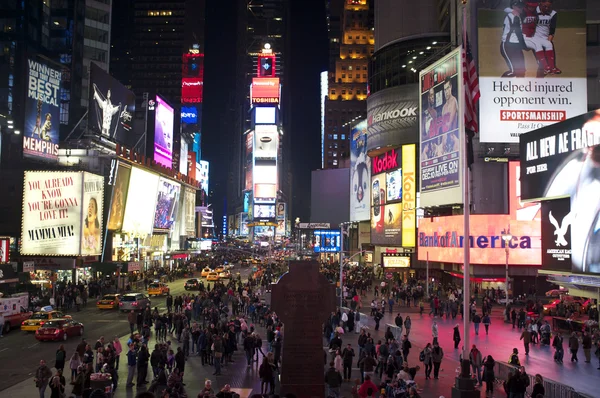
x,y
62,213
42,111
112,106
166,204
441,123
119,198
550,67
141,202
265,90
264,211
394,185
360,174
163,133
327,241
266,141
264,114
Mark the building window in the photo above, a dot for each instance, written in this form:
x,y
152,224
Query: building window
x,y
329,136
358,75
364,75
343,136
343,92
332,92
350,67
349,37
334,154
335,162
335,136
344,67
343,75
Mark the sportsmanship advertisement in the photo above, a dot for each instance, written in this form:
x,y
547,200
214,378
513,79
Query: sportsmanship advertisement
x,y
141,202
562,161
42,111
119,198
532,68
441,123
166,204
112,106
556,234
360,174
62,213
163,133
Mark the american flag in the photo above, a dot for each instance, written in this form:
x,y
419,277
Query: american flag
x,y
471,81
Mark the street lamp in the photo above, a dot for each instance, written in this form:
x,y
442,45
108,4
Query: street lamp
x,y
506,237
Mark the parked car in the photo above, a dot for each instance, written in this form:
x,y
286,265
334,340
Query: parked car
x,y
59,330
109,302
192,284
158,289
134,301
38,319
556,292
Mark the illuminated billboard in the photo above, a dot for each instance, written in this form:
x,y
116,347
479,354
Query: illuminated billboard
x,y
191,90
166,204
394,185
264,114
441,132
386,224
262,211
266,141
409,195
42,111
163,133
266,65
327,241
395,260
111,106
202,175
191,114
265,90
549,67
141,202
190,211
183,156
360,174
119,197
62,213
265,182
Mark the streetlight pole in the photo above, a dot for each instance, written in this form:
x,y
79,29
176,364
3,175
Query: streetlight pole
x,y
507,238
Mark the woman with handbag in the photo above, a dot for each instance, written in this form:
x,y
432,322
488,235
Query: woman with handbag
x,y
488,374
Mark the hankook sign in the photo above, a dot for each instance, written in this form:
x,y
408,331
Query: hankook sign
x,y
392,117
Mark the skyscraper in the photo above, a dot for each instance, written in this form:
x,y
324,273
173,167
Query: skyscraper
x,y
347,78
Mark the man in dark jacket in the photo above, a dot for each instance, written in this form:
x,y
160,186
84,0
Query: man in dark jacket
x,y
526,337
347,356
155,359
333,379
587,346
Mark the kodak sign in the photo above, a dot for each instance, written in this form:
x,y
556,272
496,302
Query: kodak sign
x,y
409,196
385,162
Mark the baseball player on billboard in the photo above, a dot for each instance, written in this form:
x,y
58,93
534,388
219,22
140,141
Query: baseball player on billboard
x,y
513,42
544,37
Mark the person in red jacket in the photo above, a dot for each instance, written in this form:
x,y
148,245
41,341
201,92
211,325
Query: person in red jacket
x,y
367,389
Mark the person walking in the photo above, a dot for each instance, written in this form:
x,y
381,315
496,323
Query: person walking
x,y
407,325
142,366
557,343
347,356
476,323
1,323
456,336
437,354
333,380
427,360
574,347
488,374
586,343
406,346
476,360
132,319
526,337
42,377
434,332
487,321
60,358
118,350
399,323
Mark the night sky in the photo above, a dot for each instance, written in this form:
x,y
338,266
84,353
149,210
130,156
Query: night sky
x,y
307,57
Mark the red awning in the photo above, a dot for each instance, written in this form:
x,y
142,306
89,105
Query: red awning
x,y
476,278
176,256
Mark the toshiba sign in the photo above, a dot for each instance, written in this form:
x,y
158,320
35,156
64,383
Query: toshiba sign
x,y
265,90
392,117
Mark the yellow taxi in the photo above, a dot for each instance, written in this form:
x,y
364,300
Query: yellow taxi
x,y
158,289
219,269
39,318
109,302
205,271
212,276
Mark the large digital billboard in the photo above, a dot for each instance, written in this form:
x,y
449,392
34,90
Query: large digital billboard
x,y
531,75
111,106
191,90
327,241
42,111
183,156
166,204
386,225
141,202
202,175
556,234
409,195
266,141
441,130
191,114
190,211
264,114
163,133
262,211
119,197
265,181
62,213
265,90
266,65
360,174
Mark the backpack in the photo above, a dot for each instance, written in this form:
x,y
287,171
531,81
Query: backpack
x,y
422,356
